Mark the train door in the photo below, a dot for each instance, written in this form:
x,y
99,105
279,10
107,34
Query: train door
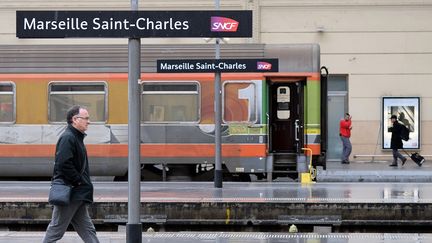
x,y
285,116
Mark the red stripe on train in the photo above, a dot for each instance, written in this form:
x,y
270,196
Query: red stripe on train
x,y
147,150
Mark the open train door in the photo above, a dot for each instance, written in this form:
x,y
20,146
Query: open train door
x,y
286,124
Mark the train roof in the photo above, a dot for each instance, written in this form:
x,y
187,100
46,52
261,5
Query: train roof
x,y
114,58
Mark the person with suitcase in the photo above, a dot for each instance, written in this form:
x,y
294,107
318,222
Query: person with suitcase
x,y
396,141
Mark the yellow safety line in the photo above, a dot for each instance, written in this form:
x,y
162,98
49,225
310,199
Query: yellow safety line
x,y
228,216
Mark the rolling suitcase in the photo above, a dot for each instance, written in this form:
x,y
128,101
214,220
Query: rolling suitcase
x,y
416,157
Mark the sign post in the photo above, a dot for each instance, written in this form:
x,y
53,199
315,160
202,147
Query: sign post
x,y
218,176
133,226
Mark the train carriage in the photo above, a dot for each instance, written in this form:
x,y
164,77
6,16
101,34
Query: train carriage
x,y
267,117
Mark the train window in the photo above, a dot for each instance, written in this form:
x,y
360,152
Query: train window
x,y
170,102
63,95
337,82
239,101
7,102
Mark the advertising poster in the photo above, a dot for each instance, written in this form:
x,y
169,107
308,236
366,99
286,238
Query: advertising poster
x,y
407,110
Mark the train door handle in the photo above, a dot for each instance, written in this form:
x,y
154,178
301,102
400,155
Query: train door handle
x,y
297,130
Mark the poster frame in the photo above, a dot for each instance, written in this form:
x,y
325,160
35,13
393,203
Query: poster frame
x,y
395,106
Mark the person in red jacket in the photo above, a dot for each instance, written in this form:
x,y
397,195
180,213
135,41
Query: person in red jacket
x,y
345,134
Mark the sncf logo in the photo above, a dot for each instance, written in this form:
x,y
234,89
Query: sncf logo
x,y
222,24
264,66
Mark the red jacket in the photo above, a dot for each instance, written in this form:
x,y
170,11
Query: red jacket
x,y
345,128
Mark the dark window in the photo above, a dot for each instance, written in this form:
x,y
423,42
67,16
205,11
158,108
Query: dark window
x,y
168,102
63,95
7,102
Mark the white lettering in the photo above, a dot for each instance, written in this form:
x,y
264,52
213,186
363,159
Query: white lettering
x,y
74,23
140,23
68,24
28,25
96,24
148,24
110,24
205,66
185,25
231,66
181,66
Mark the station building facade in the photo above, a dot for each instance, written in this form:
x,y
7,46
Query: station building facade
x,y
372,49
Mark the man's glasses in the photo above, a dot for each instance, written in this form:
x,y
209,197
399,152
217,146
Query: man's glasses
x,y
85,118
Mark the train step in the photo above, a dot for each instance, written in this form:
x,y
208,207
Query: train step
x,y
285,165
285,162
285,171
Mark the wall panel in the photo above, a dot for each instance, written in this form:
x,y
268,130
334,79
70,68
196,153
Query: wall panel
x,y
367,64
365,43
345,19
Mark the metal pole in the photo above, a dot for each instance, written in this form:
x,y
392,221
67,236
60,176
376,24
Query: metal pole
x,y
218,117
133,227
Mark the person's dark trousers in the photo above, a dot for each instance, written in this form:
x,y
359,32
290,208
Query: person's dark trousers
x,y
76,214
397,155
346,151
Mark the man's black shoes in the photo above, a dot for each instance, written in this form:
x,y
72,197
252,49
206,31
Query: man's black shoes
x,y
393,164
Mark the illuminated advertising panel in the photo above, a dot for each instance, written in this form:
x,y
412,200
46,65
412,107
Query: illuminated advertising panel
x,y
407,111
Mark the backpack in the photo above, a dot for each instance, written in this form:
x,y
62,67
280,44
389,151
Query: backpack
x,y
405,133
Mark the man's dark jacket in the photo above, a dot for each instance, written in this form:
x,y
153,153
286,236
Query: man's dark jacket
x,y
396,140
70,160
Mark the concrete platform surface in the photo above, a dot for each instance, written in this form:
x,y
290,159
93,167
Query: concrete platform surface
x,y
205,192
375,171
224,237
237,203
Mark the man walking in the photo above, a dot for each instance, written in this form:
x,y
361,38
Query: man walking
x,y
345,134
396,141
71,165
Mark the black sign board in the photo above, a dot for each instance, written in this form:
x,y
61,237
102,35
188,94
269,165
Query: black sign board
x,y
218,65
133,24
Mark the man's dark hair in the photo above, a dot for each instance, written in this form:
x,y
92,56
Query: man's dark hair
x,y
73,111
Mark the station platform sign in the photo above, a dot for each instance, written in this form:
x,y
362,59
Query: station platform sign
x,y
218,65
133,24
